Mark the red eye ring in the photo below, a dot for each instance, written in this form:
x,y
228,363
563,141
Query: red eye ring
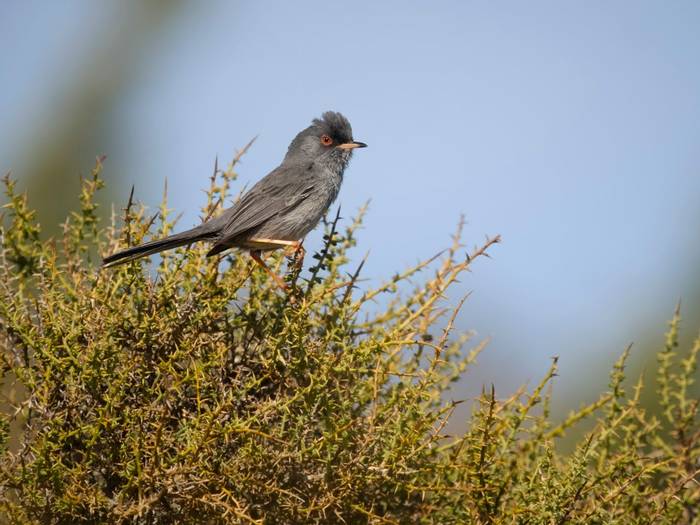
x,y
326,140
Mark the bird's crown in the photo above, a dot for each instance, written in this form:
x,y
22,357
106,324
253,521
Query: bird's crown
x,y
335,125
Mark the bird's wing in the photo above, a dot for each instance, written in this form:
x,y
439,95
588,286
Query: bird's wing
x,y
280,191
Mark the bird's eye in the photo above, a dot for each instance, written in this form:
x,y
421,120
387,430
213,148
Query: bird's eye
x,y
326,140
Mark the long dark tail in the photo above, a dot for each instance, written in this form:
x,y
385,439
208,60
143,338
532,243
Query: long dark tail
x,y
149,248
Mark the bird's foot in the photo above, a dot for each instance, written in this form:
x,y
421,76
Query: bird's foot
x,y
297,254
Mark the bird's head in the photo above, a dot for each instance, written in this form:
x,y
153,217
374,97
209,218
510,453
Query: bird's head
x,y
327,139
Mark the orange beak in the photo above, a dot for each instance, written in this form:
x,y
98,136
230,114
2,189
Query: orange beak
x,y
352,145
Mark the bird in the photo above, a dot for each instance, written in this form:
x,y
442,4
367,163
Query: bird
x,y
281,208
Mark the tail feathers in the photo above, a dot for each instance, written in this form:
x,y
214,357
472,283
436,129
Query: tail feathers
x,y
149,248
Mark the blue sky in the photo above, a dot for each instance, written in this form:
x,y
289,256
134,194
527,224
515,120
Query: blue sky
x,y
570,128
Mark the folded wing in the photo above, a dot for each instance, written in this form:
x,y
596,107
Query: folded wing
x,y
278,193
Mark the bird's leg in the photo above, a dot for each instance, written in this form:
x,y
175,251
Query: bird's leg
x,y
255,254
260,243
292,248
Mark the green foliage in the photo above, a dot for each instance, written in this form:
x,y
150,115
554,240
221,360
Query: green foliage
x,y
198,392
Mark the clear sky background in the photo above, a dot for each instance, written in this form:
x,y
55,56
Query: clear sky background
x,y
570,128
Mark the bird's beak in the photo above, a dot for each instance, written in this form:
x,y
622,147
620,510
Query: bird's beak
x,y
352,145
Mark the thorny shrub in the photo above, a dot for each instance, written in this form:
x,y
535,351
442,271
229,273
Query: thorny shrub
x,y
199,392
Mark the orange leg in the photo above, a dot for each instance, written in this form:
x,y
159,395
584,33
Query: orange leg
x,y
292,248
255,254
272,244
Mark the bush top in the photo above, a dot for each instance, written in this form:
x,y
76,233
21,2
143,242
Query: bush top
x,y
196,391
